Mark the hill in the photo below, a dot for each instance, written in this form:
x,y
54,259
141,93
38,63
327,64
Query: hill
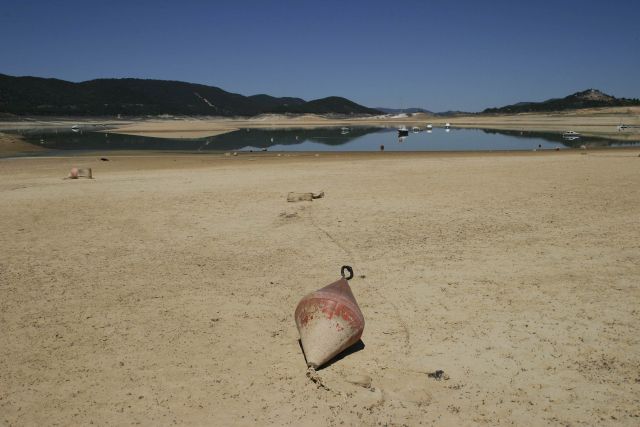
x,y
135,97
412,110
590,98
329,105
267,102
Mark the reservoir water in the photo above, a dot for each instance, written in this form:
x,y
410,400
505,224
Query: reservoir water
x,y
88,139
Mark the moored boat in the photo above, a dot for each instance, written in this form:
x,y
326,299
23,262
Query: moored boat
x,y
570,134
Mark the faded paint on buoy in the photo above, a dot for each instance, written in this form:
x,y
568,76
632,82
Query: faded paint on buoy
x,y
329,321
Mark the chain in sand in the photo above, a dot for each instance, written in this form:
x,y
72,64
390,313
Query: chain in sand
x,y
311,372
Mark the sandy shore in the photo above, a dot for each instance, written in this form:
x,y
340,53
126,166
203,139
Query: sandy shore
x,y
13,144
163,290
599,122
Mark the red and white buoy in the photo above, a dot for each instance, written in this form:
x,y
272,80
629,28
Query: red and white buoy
x,y
329,321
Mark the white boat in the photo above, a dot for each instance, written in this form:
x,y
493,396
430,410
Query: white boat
x,y
75,128
415,129
447,125
570,134
429,126
344,130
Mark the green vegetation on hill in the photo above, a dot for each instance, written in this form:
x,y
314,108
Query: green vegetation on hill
x,y
329,105
590,98
412,110
135,97
268,103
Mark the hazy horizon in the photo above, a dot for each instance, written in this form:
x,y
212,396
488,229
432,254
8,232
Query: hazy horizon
x,y
437,56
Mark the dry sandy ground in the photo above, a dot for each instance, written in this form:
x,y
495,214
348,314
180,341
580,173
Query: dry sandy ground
x,y
163,291
13,144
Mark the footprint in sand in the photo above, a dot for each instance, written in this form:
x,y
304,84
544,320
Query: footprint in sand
x,y
288,215
394,385
404,387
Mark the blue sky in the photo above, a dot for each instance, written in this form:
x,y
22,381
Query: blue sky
x,y
440,55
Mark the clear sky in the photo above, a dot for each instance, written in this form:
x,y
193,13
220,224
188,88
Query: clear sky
x,y
440,55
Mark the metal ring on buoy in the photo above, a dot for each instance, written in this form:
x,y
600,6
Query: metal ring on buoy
x,y
349,269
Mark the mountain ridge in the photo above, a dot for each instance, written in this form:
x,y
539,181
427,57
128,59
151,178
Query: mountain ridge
x,y
30,95
589,98
40,96
411,110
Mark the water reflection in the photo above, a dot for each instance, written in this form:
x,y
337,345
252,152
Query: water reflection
x,y
315,139
569,141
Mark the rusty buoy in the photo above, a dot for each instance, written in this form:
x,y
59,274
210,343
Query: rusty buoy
x,y
329,321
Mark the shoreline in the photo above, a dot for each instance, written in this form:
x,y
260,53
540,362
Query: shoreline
x,y
292,155
360,155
